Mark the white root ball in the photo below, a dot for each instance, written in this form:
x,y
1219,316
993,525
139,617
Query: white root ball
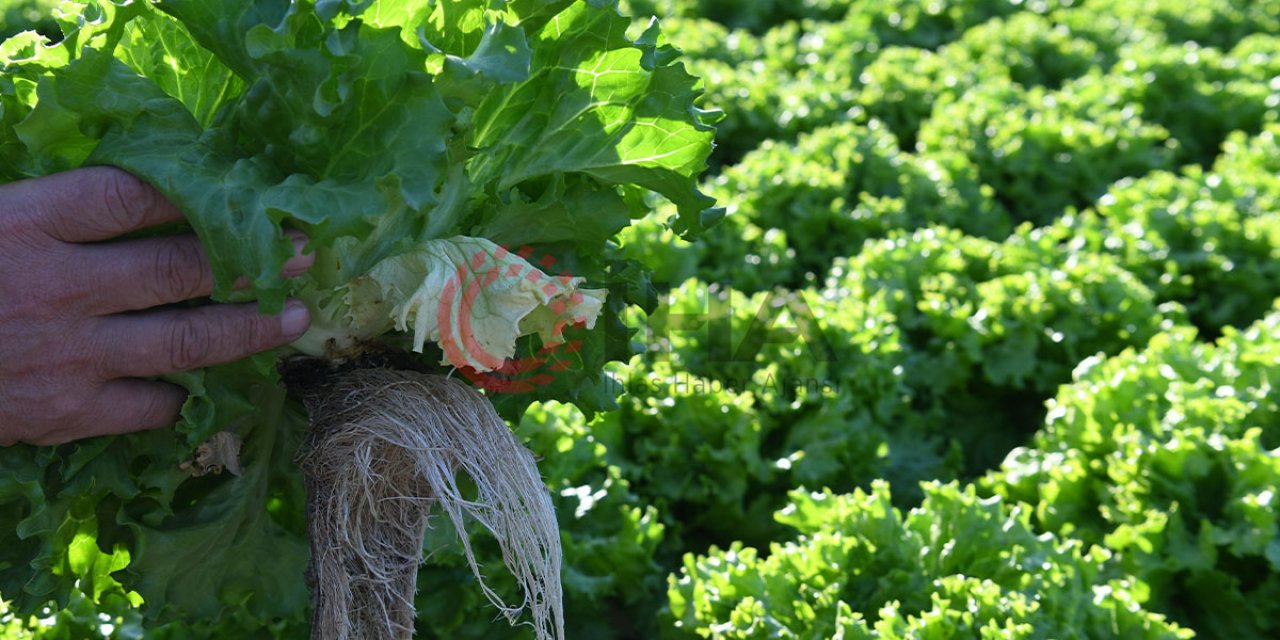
x,y
386,448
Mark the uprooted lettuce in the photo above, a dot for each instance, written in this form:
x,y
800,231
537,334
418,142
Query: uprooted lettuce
x,y
404,138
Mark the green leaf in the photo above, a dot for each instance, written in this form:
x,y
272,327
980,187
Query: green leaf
x,y
226,552
591,107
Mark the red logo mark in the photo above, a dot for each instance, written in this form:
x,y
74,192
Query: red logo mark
x,y
463,348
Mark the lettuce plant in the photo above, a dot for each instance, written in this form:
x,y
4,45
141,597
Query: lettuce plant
x,y
460,168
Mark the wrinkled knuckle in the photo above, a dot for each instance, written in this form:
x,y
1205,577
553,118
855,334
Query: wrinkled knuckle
x,y
157,411
69,290
63,410
74,355
178,274
123,196
92,357
191,344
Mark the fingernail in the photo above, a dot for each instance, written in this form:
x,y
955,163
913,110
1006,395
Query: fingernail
x,y
295,320
300,261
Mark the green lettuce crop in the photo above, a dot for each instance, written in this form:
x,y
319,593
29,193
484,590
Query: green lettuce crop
x,y
958,566
1168,457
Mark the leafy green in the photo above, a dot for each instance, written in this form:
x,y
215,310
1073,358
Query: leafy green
x,y
756,15
1189,238
791,86
17,16
840,185
1198,94
1043,151
126,499
990,330
1212,23
957,566
1166,456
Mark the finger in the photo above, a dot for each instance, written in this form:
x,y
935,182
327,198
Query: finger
x,y
138,405
161,342
145,273
122,406
139,274
89,205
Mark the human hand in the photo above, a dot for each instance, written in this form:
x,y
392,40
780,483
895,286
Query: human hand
x,y
78,328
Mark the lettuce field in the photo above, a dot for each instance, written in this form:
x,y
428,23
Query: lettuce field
x,y
983,347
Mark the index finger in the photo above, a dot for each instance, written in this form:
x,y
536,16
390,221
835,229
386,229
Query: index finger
x,y
90,204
